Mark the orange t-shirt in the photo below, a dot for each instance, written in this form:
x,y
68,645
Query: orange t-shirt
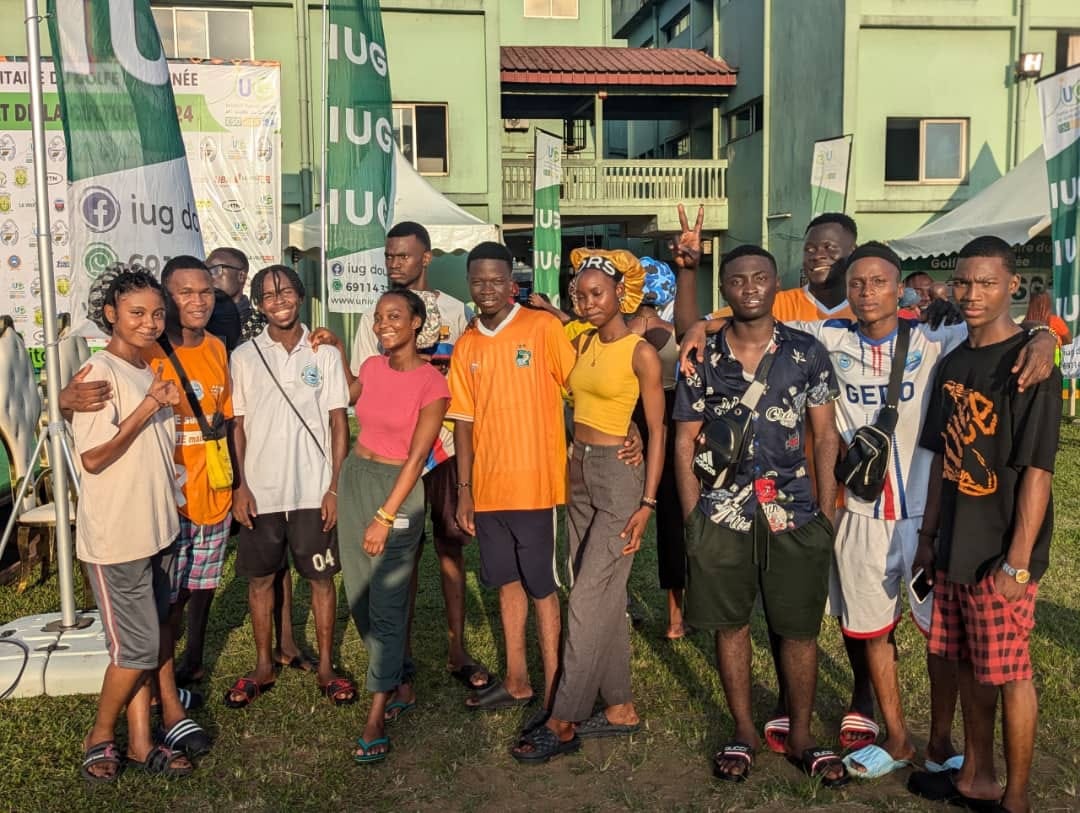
x,y
799,305
207,368
508,383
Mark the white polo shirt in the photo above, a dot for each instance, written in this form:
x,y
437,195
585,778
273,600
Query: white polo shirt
x,y
283,467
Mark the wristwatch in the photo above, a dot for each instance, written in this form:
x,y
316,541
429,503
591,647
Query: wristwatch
x,y
1022,576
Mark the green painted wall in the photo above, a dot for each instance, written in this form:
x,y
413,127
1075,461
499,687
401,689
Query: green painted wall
x,y
592,27
741,37
804,63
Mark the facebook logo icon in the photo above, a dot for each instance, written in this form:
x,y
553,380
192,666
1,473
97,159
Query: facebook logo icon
x,y
100,209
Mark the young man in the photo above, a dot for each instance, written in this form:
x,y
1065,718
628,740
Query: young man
x,y
291,436
229,268
506,380
921,283
763,531
987,528
408,254
829,240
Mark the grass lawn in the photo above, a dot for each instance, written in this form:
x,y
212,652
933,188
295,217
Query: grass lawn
x,y
290,750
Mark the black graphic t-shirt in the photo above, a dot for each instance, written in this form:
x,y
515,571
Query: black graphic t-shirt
x,y
987,434
774,473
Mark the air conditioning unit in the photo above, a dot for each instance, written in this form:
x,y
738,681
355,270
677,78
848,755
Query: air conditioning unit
x,y
515,125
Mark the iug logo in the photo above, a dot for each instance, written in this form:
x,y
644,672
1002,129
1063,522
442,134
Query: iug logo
x,y
100,209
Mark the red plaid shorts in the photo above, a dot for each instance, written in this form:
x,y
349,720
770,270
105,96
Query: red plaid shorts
x,y
973,622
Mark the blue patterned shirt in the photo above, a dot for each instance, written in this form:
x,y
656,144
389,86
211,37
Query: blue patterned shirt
x,y
774,474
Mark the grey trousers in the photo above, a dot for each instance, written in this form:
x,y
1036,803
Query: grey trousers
x,y
604,492
377,587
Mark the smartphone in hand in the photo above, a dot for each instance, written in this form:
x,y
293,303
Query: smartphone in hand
x,y
920,587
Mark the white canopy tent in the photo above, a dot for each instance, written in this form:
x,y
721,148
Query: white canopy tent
x,y
452,229
1015,207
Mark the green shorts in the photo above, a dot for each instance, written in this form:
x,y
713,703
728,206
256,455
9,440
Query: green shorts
x,y
724,575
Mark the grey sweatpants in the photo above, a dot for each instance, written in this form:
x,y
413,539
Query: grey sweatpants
x,y
604,492
377,587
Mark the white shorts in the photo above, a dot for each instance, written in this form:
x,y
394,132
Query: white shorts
x,y
873,571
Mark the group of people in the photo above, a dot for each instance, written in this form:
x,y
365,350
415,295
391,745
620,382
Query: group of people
x,y
734,446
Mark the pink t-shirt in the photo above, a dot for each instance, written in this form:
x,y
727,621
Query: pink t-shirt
x,y
390,403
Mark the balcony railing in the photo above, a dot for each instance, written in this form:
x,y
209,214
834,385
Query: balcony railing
x,y
620,184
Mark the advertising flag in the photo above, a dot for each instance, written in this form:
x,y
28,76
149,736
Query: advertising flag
x,y
358,154
1059,100
130,195
547,231
829,175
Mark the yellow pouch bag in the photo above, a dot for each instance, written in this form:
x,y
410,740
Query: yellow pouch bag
x,y
219,469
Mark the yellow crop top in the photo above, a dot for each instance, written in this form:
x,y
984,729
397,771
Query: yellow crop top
x,y
603,383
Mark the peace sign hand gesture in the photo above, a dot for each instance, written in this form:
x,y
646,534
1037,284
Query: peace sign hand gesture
x,y
686,251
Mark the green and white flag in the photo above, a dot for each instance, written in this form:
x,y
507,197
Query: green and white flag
x,y
547,229
358,156
129,194
829,175
1059,98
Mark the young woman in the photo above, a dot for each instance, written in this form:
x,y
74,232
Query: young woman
x,y
401,401
608,507
670,546
127,521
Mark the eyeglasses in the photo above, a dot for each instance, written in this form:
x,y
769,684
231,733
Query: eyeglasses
x,y
218,269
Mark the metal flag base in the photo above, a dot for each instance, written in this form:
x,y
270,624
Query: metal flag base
x,y
38,656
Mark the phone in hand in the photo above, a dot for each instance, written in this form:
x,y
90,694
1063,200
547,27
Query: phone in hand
x,y
920,587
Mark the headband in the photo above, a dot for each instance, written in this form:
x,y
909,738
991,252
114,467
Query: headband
x,y
874,249
620,265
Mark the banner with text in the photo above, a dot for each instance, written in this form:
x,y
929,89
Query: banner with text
x,y
358,155
547,227
229,115
1059,100
127,169
829,175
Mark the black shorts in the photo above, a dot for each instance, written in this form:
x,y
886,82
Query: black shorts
x,y
518,546
724,574
263,550
440,491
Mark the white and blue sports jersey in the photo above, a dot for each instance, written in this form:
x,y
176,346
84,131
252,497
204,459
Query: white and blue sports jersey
x,y
862,368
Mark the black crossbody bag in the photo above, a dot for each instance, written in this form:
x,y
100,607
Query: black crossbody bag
x,y
864,467
219,469
725,438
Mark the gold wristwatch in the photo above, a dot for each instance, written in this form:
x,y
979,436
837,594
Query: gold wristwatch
x,y
1022,576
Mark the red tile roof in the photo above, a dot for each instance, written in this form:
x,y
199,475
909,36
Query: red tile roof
x,y
582,65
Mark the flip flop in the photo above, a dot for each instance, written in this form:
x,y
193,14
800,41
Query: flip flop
x,y
953,763
302,663
936,787
873,762
103,753
776,731
599,726
187,736
465,674
249,688
733,750
857,731
365,746
398,706
816,761
188,699
159,762
497,698
341,691
545,744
